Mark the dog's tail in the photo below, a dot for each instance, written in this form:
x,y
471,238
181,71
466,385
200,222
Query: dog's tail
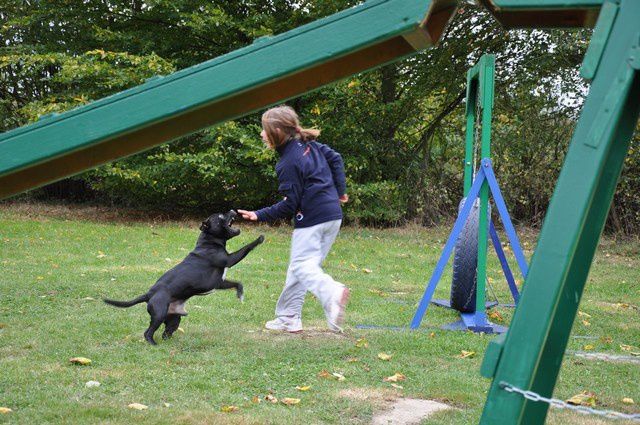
x,y
124,304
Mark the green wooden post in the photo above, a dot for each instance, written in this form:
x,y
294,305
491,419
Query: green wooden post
x,y
470,112
530,355
486,78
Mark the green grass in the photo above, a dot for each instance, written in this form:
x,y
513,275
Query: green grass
x,y
55,269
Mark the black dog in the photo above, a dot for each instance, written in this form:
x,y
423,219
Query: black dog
x,y
202,271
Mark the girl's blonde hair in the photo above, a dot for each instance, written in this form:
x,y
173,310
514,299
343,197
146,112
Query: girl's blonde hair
x,y
281,124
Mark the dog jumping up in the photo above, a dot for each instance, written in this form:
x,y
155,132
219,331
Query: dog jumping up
x,y
202,271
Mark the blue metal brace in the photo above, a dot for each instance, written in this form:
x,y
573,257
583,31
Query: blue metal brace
x,y
477,321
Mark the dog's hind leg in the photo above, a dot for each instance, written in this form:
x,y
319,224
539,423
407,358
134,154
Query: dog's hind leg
x,y
171,325
228,284
157,307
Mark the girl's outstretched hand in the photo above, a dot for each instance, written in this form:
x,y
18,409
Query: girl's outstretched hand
x,y
344,199
248,215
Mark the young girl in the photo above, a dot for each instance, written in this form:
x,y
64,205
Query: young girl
x,y
312,179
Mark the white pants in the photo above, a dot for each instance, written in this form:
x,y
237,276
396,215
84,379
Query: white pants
x,y
309,248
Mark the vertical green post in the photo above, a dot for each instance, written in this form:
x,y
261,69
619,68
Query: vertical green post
x,y
486,81
470,112
532,351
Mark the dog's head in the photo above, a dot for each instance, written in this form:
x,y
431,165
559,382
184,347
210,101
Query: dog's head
x,y
219,225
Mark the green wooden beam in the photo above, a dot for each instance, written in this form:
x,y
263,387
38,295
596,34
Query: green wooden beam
x,y
530,355
269,71
544,13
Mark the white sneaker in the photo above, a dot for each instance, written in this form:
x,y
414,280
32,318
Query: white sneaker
x,y
279,324
335,310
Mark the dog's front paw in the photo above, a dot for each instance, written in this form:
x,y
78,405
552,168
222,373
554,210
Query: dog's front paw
x,y
260,239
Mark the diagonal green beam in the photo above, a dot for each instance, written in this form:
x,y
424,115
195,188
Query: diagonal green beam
x,y
530,355
269,71
544,13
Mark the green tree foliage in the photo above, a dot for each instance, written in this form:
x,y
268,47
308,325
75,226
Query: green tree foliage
x,y
400,127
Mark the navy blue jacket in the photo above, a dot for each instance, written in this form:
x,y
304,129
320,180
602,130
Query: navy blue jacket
x,y
311,177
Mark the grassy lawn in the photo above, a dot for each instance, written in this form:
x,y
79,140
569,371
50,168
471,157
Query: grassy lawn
x,y
56,265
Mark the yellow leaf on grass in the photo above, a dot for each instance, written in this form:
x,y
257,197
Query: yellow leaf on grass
x,y
588,347
495,315
586,323
353,360
255,399
339,376
400,387
303,388
362,343
396,377
5,410
625,347
290,401
384,356
271,398
378,292
138,406
80,360
585,398
583,314
366,270
628,400
467,354
432,335
229,409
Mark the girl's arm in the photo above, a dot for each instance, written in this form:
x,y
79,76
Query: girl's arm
x,y
291,187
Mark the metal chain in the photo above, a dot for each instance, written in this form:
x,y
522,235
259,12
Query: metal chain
x,y
560,404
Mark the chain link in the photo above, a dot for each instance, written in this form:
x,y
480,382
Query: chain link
x,y
560,404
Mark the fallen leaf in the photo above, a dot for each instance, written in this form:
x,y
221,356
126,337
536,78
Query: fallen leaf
x,y
324,374
366,270
101,254
400,387
5,410
495,315
628,400
432,335
92,384
353,360
229,409
378,292
290,401
583,314
635,353
138,406
585,398
606,339
625,347
586,323
271,398
303,388
339,376
467,354
80,360
180,330
384,356
167,404
396,377
588,347
362,343
255,399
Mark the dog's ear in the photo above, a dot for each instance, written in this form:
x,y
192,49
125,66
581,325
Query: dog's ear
x,y
204,226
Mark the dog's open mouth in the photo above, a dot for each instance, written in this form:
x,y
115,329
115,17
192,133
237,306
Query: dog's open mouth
x,y
231,217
